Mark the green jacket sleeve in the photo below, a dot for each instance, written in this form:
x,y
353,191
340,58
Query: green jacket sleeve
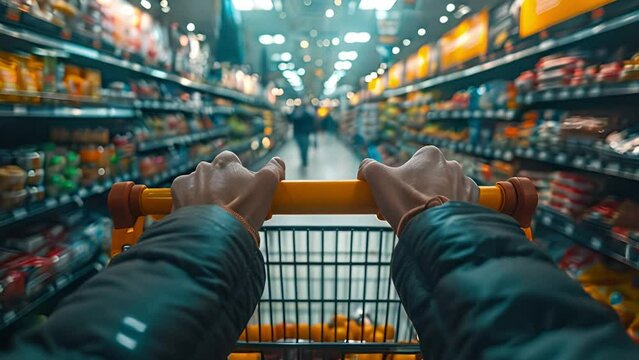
x,y
476,288
185,291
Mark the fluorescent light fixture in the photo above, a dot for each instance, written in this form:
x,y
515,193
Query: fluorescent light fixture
x,y
277,57
373,75
319,62
304,44
282,66
164,3
282,15
291,66
343,65
357,37
265,39
278,39
395,50
367,78
329,13
145,4
406,42
450,7
307,58
301,71
380,71
383,66
166,9
421,32
443,19
313,33
248,5
381,5
335,41
190,27
347,55
326,42
286,56
338,2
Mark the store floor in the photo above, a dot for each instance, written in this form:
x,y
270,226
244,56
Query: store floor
x,y
330,160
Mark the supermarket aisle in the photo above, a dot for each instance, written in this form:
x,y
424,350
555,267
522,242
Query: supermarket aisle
x,y
331,160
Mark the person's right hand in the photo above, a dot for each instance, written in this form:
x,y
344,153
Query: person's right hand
x,y
427,179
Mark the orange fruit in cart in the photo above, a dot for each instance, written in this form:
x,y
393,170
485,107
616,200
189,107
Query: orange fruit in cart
x,y
245,356
254,332
316,332
368,333
340,333
285,331
388,329
370,357
339,320
403,357
304,331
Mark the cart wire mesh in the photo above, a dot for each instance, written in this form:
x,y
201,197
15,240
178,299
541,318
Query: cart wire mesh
x,y
328,293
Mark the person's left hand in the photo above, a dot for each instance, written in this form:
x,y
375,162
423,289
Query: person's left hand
x,y
225,182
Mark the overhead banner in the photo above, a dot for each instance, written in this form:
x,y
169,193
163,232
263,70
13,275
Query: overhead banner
x,y
466,41
537,15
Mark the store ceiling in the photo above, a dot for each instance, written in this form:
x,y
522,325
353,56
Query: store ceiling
x,y
296,20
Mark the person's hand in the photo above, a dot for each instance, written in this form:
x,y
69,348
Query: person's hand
x,y
225,182
426,180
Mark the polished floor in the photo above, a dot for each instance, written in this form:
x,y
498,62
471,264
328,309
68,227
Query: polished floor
x,y
331,159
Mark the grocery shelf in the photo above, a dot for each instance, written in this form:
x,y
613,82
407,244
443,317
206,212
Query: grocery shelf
x,y
543,47
591,160
579,93
85,52
500,114
595,237
57,202
61,283
21,111
182,139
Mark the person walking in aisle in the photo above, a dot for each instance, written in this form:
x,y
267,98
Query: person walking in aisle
x,y
303,120
473,286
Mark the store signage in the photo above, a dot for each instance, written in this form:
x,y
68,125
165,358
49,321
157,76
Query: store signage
x,y
466,41
396,75
537,15
423,61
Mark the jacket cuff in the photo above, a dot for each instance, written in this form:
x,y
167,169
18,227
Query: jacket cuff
x,y
436,201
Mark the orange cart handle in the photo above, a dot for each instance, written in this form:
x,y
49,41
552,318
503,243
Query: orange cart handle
x,y
127,202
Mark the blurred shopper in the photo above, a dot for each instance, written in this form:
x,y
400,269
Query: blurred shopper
x,y
303,120
473,286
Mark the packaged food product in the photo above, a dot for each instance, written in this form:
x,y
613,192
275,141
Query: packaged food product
x,y
36,193
29,159
35,177
12,199
12,178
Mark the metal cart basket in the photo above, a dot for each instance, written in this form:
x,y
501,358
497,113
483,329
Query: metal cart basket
x,y
328,293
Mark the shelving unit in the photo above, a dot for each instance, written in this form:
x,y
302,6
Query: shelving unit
x,y
597,91
499,114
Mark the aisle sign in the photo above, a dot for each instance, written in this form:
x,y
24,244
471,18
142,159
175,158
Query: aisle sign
x,y
423,61
396,75
466,41
537,15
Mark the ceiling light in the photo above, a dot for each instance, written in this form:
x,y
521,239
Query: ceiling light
x,y
265,39
326,42
357,37
335,41
450,7
307,58
421,32
395,50
278,39
282,15
164,3
282,66
319,43
373,75
367,78
145,4
313,33
461,11
381,5
347,55
308,2
304,44
338,2
277,57
166,9
200,37
343,65
301,71
319,62
315,101
248,5
383,66
190,27
329,13
286,56
406,42
380,71
443,19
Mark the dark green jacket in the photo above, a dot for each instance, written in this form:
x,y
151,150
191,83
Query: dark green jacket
x,y
472,285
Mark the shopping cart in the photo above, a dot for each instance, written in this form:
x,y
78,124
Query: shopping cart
x,y
328,292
